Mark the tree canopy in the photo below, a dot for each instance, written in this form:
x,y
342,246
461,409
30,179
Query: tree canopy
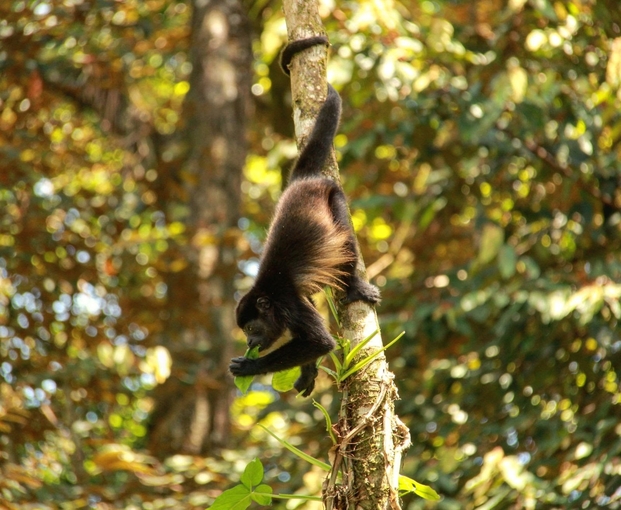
x,y
480,148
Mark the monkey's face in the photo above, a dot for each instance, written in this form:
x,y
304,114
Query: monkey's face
x,y
257,317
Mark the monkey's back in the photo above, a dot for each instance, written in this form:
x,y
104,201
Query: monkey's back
x,y
305,244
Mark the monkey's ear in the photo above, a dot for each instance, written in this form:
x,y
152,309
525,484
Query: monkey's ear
x,y
263,304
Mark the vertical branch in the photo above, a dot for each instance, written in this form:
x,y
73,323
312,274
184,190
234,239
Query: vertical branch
x,y
372,438
308,72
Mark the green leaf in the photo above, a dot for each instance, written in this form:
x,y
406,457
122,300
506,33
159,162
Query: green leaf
x,y
344,344
426,492
369,358
283,381
331,305
253,474
427,216
243,382
326,416
407,485
236,498
507,260
533,115
336,361
262,495
491,240
296,451
330,372
357,348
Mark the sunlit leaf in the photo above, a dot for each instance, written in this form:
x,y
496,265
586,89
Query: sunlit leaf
x,y
236,498
409,485
491,240
507,260
283,381
328,420
262,495
365,361
121,458
253,474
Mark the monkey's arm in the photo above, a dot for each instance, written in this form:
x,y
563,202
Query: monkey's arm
x,y
301,350
298,351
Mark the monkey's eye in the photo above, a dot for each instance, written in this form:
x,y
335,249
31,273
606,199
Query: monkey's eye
x,y
263,303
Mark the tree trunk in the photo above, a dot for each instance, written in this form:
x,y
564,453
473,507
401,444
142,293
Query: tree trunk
x,y
371,437
192,407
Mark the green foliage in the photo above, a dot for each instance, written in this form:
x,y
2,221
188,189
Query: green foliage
x,y
407,485
480,147
284,380
251,489
328,420
348,370
503,270
240,496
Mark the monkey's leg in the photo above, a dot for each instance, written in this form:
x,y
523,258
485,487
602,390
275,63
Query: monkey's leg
x,y
357,289
306,382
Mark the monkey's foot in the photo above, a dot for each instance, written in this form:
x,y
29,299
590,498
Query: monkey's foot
x,y
306,382
359,290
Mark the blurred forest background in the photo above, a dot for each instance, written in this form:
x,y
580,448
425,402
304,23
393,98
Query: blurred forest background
x,y
142,145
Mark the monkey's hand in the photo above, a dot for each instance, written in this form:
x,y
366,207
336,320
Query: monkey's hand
x,y
244,366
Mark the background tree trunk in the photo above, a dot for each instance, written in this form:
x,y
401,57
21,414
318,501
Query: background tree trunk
x,y
192,409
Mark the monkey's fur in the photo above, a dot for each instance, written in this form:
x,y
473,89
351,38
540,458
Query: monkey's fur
x,y
310,244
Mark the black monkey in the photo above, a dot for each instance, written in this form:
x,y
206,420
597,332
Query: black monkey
x,y
310,244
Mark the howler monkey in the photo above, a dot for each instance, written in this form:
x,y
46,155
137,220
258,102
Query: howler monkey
x,y
310,244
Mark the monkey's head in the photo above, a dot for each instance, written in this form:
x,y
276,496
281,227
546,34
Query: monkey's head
x,y
258,316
